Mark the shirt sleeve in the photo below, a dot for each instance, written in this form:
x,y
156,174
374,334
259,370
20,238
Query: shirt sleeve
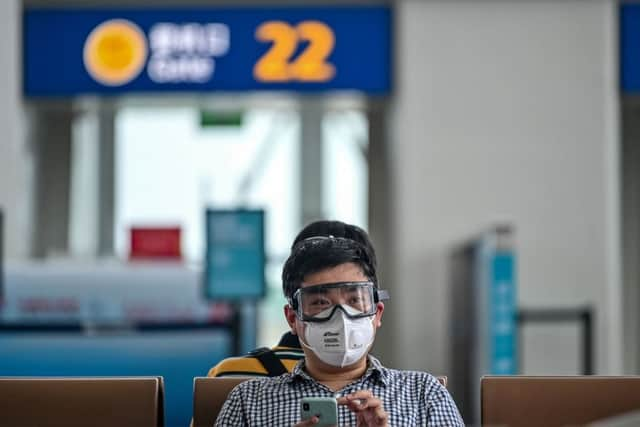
x,y
232,413
441,409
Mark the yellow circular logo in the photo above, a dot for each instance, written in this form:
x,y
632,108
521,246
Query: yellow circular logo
x,y
115,52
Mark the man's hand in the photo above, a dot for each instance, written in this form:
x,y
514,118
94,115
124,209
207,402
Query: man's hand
x,y
308,422
367,407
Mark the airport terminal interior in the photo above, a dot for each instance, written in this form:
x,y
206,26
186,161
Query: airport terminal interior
x,y
158,158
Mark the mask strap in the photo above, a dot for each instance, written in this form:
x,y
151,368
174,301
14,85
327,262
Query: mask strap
x,y
305,345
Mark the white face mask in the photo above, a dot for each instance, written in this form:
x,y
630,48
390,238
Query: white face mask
x,y
340,341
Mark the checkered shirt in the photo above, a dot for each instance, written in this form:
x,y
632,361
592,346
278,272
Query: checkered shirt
x,y
410,398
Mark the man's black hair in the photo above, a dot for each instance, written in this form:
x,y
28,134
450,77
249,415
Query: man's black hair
x,y
325,244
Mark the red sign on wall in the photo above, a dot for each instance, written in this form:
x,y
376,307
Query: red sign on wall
x,y
155,243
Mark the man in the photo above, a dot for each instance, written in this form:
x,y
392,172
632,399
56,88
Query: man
x,y
286,354
335,308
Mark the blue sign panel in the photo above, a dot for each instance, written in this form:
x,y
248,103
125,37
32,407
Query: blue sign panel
x,y
85,51
503,314
630,48
496,307
235,257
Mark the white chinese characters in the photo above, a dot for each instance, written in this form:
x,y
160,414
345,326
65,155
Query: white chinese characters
x,y
185,53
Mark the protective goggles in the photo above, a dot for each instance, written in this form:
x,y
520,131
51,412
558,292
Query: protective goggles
x,y
318,303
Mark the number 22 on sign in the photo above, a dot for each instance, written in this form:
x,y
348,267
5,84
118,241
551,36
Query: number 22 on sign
x,y
276,66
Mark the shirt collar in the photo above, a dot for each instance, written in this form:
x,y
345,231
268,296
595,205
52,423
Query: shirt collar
x,y
374,367
374,370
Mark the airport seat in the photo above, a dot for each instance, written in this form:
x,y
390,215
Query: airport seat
x,y
76,402
210,393
533,401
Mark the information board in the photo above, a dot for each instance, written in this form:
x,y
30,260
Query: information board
x,y
235,255
483,320
110,51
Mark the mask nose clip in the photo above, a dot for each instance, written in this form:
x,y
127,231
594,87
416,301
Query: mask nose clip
x,y
346,310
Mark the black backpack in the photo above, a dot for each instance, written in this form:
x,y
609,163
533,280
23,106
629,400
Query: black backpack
x,y
270,361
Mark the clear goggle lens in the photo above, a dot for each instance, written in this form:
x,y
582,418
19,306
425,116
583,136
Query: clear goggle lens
x,y
318,303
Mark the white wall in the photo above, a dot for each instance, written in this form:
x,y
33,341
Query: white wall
x,y
504,111
14,155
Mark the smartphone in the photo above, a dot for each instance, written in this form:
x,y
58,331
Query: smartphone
x,y
325,408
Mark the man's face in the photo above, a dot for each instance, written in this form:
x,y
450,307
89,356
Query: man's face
x,y
348,272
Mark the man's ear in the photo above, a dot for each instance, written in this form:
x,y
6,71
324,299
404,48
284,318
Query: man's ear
x,y
379,311
290,315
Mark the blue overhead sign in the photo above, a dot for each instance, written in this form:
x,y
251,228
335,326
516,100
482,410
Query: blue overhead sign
x,y
630,48
98,51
